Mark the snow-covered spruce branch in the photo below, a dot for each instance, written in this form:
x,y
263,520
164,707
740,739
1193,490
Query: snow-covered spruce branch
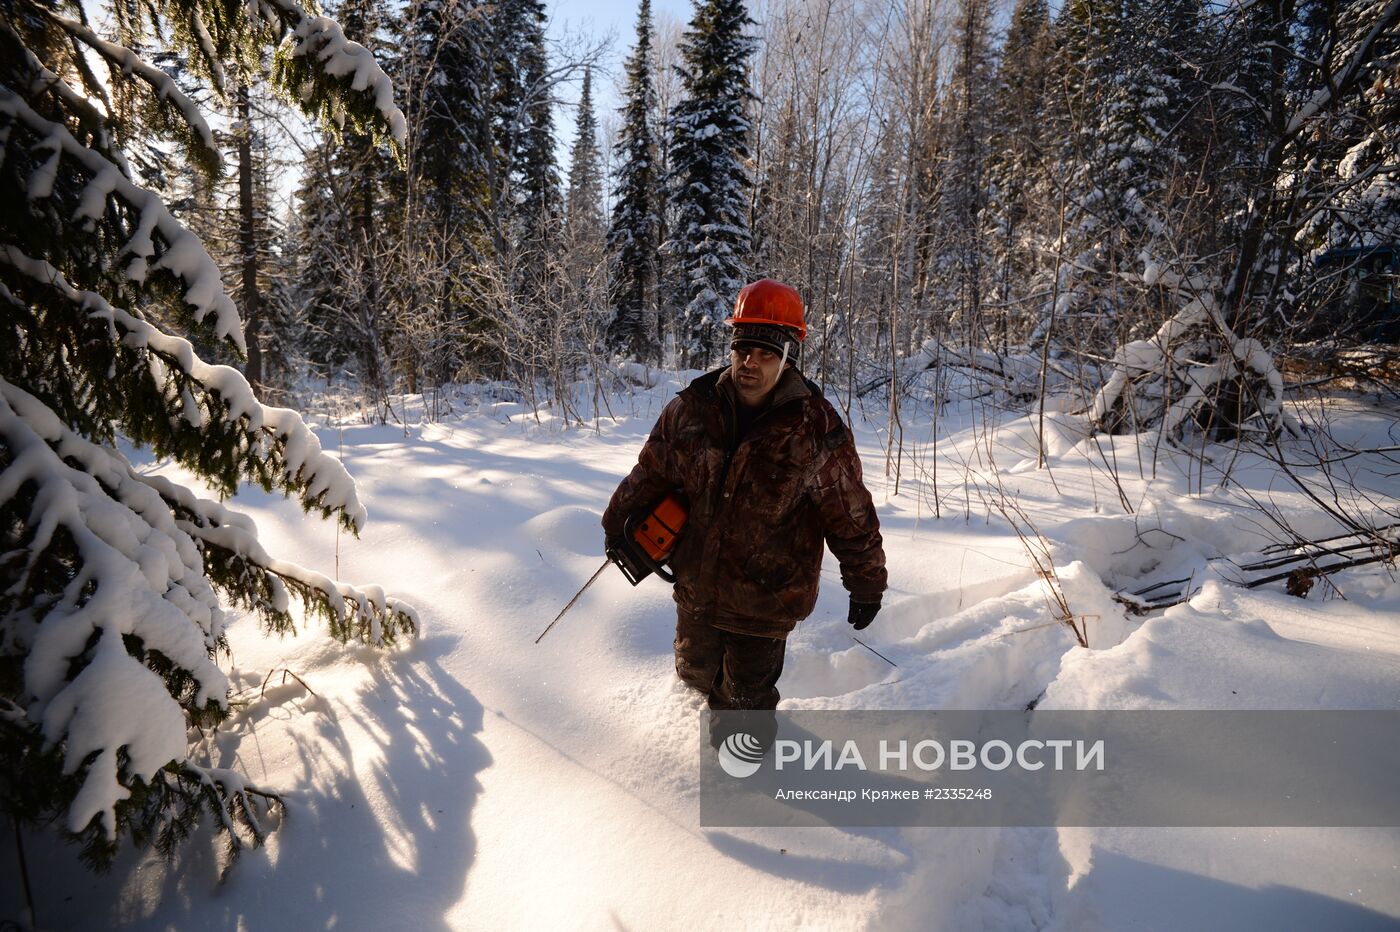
x,y
88,116
205,42
364,612
319,478
316,48
134,575
183,254
161,83
278,434
137,590
234,799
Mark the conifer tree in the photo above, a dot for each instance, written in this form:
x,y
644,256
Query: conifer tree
x,y
525,276
584,229
964,192
444,220
1091,43
1207,363
330,311
633,236
337,337
114,582
1360,149
359,169
1018,167
529,201
1127,93
541,201
709,180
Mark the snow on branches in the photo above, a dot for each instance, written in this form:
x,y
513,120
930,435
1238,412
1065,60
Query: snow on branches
x,y
316,50
183,255
211,397
113,585
164,86
120,569
1193,367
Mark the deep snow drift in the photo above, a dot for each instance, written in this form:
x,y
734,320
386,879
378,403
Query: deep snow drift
x,y
476,780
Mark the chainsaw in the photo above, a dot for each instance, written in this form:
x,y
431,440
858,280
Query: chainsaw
x,y
648,539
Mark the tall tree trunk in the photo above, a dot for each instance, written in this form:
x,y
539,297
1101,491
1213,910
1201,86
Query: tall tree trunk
x,y
367,237
247,244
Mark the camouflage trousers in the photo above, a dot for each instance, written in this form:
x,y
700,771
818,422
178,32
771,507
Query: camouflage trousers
x,y
734,671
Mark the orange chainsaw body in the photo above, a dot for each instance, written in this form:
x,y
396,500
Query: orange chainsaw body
x,y
649,538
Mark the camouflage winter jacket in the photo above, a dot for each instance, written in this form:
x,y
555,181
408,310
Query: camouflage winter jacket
x,y
751,553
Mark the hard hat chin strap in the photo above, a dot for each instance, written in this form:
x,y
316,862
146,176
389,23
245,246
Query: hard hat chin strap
x,y
783,364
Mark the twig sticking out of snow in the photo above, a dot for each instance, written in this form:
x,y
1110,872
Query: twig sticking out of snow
x,y
1042,561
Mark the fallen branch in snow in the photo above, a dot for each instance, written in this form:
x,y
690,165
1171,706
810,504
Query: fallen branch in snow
x,y
1309,562
1363,368
1296,586
1015,374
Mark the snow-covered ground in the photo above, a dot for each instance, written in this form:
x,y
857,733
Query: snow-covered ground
x,y
478,780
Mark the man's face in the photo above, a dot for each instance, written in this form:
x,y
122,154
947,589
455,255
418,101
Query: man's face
x,y
755,371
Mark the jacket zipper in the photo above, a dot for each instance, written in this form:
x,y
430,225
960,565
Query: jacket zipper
x,y
732,443
731,447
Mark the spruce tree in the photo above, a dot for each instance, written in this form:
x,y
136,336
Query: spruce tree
x,y
529,213
584,228
1127,81
359,169
1208,363
327,299
541,201
964,193
1305,110
1019,167
1360,148
444,205
633,235
115,582
709,180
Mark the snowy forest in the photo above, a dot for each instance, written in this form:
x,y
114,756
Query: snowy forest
x,y
945,179
1106,290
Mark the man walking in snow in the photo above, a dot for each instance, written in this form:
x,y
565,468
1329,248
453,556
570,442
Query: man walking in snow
x,y
769,472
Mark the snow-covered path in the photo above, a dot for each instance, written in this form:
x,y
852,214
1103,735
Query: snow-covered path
x,y
477,780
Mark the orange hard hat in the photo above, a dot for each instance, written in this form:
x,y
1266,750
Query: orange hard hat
x,y
768,302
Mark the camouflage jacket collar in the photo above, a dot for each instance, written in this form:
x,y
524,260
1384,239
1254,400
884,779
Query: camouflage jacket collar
x,y
793,386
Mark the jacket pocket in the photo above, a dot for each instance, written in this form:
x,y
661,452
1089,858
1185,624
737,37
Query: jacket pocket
x,y
771,575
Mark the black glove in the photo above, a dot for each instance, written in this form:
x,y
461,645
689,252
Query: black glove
x,y
862,614
611,542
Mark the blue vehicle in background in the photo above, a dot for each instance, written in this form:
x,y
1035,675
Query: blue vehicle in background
x,y
1365,303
